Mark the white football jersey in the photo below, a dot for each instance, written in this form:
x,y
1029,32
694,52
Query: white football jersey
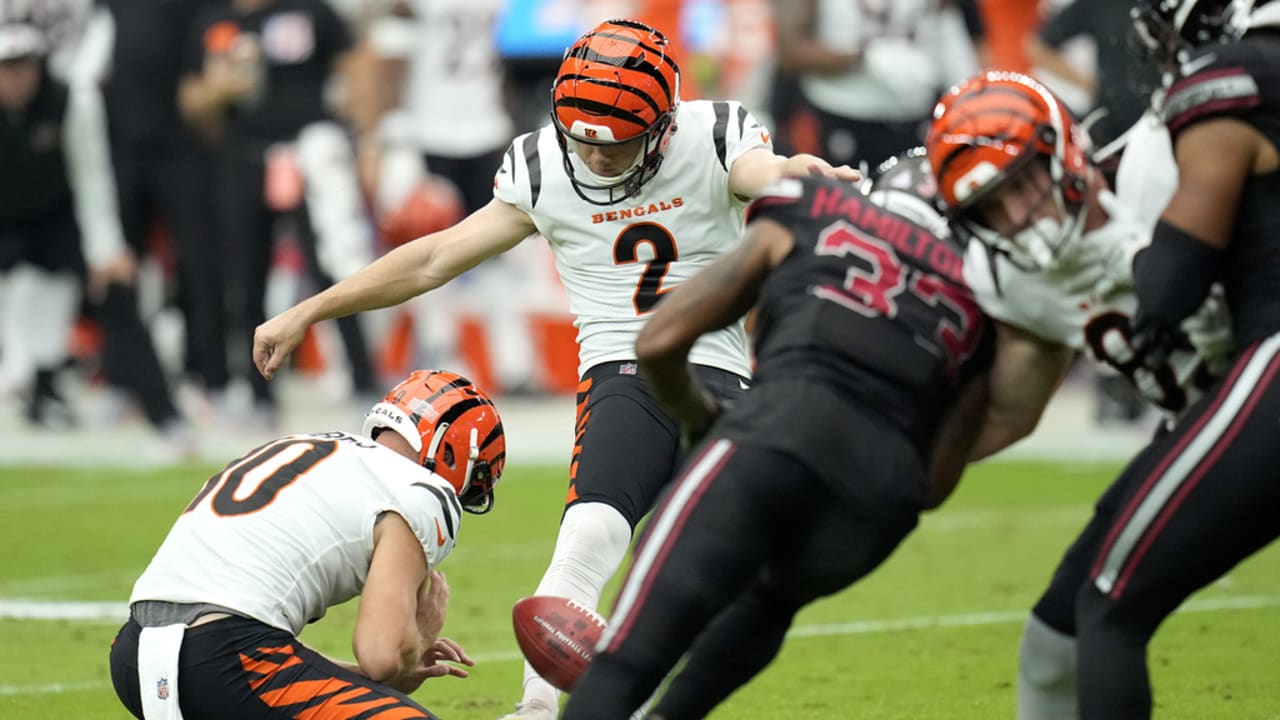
x,y
1060,305
285,532
454,87
615,261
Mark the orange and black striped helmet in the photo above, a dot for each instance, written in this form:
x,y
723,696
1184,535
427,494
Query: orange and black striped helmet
x,y
454,427
617,83
990,127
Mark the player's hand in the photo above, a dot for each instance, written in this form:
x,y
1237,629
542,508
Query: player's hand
x,y
1209,330
119,269
806,164
695,424
1111,249
274,339
445,651
433,601
1154,341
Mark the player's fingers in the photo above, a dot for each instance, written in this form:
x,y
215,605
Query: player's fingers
x,y
460,655
262,357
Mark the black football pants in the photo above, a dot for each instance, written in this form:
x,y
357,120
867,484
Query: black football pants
x,y
739,543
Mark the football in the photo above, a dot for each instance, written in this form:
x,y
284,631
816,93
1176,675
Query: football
x,y
557,636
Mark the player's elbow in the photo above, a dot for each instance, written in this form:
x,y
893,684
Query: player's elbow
x,y
386,666
385,661
1002,430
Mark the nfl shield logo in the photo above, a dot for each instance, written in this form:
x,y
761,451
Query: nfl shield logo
x,y
627,369
162,688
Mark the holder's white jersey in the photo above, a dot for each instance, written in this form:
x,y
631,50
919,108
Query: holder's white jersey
x,y
1060,304
617,260
285,532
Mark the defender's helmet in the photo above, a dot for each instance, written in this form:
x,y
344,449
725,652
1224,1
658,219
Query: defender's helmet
x,y
1164,28
616,83
904,184
454,427
991,128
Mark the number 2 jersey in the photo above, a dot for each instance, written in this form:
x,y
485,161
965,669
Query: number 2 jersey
x,y
869,311
616,261
285,532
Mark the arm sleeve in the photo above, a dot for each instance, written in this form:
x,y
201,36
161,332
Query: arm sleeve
x,y
89,169
514,181
1214,83
742,132
432,511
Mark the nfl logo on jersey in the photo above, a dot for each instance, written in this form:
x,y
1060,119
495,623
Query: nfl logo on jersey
x,y
162,688
627,369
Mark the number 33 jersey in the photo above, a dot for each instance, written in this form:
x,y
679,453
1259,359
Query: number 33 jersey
x,y
285,532
616,261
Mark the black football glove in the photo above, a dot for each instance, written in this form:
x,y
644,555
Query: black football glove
x,y
1154,341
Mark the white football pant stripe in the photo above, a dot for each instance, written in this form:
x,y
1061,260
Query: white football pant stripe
x,y
663,526
1187,461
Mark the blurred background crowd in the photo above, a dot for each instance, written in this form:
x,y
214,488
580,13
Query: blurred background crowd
x,y
172,172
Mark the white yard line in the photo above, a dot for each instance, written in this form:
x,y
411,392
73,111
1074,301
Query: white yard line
x,y
863,627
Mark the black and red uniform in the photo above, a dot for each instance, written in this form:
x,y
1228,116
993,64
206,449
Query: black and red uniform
x,y
866,333
1203,497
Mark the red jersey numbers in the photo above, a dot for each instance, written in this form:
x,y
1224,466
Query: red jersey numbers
x,y
876,281
625,251
870,292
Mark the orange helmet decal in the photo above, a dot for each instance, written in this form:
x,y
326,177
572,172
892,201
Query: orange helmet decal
x,y
990,128
983,127
454,427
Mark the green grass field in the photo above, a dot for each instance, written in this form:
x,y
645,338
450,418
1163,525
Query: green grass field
x,y
932,634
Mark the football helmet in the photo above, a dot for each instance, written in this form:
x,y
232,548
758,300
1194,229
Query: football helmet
x,y
992,128
904,184
1166,28
453,426
617,83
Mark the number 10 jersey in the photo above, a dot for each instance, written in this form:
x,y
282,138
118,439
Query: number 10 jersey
x,y
285,532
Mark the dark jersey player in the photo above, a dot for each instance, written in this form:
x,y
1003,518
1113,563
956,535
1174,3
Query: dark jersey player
x,y
1203,497
867,339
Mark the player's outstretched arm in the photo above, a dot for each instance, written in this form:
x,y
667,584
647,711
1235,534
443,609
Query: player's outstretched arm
x,y
409,270
713,299
759,168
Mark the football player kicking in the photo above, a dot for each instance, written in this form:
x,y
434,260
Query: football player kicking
x,y
301,524
635,191
874,362
1050,250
